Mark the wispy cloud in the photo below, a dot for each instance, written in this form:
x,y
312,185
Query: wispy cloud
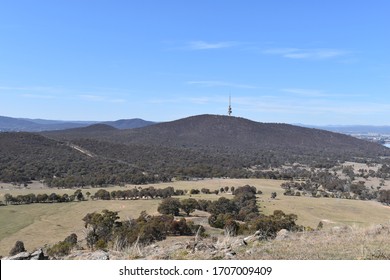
x,y
202,45
38,96
190,100
32,89
221,84
100,98
297,53
306,92
200,100
317,93
118,100
91,97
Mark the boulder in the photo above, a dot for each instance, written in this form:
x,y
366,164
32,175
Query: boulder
x,y
37,255
282,234
99,255
20,256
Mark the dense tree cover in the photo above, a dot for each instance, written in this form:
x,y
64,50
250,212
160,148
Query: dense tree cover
x,y
25,157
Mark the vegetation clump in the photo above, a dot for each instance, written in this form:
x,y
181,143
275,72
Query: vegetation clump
x,y
18,248
105,231
63,248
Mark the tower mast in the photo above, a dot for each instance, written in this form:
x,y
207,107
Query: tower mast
x,y
230,106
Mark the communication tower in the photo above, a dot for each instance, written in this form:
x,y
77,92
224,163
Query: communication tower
x,y
230,106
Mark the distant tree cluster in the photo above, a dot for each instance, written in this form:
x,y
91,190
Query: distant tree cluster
x,y
384,197
101,194
137,193
43,198
324,183
172,206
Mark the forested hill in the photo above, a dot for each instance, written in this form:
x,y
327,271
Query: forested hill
x,y
239,133
198,146
232,134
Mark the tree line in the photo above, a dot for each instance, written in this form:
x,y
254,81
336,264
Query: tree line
x,y
101,194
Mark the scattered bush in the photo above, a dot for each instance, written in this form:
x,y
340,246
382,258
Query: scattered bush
x,y
63,248
18,248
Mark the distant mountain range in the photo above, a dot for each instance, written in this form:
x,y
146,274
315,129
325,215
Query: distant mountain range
x,y
37,125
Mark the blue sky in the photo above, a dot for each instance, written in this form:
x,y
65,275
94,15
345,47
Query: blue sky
x,y
310,62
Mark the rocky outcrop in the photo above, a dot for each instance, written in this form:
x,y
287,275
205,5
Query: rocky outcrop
x,y
36,255
95,255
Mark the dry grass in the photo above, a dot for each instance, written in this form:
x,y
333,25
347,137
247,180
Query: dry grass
x,y
39,224
345,243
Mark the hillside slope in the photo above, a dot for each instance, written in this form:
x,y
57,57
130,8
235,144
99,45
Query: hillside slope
x,y
26,156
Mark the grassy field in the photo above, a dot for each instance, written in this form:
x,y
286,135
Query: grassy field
x,y
40,224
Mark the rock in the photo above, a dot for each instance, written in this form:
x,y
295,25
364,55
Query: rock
x,y
37,255
282,234
230,254
20,256
250,239
99,255
96,255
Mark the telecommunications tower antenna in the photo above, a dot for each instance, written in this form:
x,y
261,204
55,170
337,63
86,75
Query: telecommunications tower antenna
x,y
230,106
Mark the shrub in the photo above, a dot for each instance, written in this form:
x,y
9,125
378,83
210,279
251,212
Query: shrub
x,y
18,248
194,191
63,248
268,226
220,220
